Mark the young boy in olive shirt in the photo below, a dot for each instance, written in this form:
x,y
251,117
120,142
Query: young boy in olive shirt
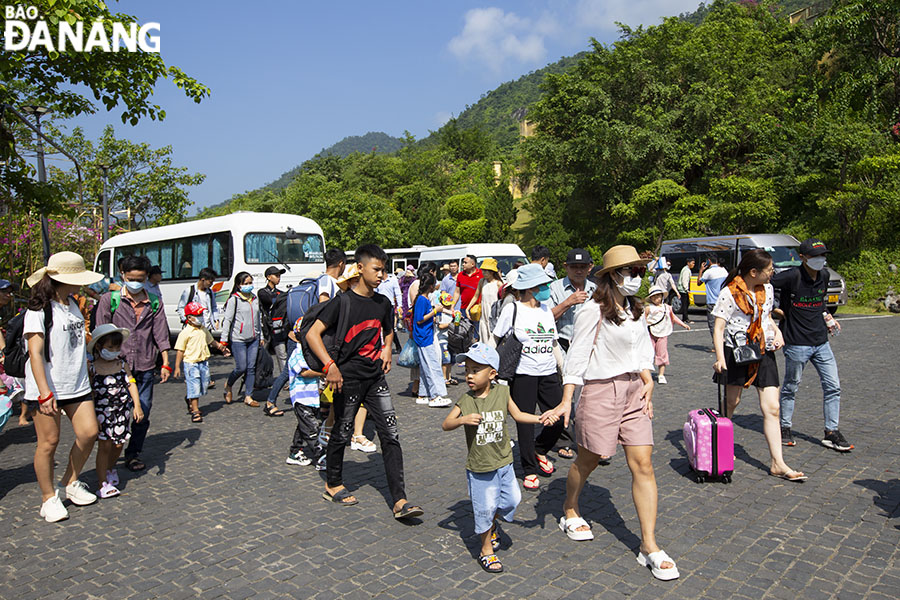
x,y
492,480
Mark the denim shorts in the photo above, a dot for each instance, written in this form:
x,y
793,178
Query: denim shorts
x,y
495,492
196,378
446,357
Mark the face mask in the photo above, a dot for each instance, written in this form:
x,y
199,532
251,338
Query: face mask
x,y
134,286
816,263
542,294
247,288
629,286
109,354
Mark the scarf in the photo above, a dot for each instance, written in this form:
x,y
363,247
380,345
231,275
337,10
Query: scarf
x,y
741,293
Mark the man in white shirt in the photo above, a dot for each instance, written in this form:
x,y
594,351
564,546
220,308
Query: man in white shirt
x,y
684,288
713,276
202,293
335,261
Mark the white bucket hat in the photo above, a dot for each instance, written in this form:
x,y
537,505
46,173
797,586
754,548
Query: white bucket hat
x,y
65,267
102,331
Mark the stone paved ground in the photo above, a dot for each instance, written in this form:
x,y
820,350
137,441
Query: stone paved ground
x,y
218,514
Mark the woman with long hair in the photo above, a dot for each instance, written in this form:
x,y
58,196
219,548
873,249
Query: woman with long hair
x,y
612,357
432,387
56,378
743,315
241,332
487,293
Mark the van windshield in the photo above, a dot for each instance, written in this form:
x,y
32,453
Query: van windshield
x,y
283,248
784,257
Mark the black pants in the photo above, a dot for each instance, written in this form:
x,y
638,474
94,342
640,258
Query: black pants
x,y
685,304
530,392
376,396
307,431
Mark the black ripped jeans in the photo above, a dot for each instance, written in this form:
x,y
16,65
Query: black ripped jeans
x,y
376,396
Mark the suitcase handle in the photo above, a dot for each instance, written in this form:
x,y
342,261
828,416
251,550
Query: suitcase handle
x,y
723,398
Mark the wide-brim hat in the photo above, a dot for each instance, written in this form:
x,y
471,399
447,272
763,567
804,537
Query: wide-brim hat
x,y
65,267
490,264
102,331
621,256
655,289
350,273
531,276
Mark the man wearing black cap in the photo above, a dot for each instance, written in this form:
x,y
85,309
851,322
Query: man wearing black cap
x,y
277,335
803,291
568,294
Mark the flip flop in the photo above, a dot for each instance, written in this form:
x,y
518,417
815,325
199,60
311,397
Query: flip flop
x,y
545,466
408,511
340,497
790,476
566,453
490,560
531,483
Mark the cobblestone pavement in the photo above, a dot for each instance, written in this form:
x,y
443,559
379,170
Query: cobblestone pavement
x,y
218,514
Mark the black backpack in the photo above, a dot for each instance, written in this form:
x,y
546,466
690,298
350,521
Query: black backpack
x,y
276,317
332,337
264,371
460,336
16,351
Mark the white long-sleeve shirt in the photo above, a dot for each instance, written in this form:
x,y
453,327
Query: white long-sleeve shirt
x,y
619,349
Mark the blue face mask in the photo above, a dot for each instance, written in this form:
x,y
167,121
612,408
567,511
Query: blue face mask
x,y
543,293
247,288
134,286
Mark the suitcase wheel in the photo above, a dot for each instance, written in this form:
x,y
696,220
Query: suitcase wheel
x,y
726,478
701,478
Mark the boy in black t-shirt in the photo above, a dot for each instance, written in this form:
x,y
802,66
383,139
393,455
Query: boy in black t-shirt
x,y
356,374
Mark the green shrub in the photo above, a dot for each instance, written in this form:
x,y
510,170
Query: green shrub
x,y
868,275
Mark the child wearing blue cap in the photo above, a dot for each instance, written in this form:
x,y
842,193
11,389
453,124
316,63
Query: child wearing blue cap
x,y
492,481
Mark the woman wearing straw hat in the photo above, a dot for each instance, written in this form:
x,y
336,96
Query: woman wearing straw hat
x,y
536,381
612,356
486,295
54,333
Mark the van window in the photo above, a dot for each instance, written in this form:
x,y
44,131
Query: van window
x,y
504,263
103,260
283,248
784,256
185,257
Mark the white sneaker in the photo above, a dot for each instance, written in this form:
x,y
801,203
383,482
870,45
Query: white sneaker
x,y
298,459
320,464
78,493
112,476
662,379
439,402
363,445
53,510
108,490
422,400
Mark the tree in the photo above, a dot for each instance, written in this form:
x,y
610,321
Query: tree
x,y
500,212
64,81
465,222
741,205
647,212
420,205
142,180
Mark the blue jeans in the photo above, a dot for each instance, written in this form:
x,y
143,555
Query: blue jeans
x,y
822,358
144,381
283,377
244,364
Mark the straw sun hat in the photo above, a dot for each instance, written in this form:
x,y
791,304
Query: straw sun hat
x,y
65,267
351,273
620,256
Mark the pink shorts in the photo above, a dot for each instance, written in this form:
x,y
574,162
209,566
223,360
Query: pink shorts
x,y
610,411
660,350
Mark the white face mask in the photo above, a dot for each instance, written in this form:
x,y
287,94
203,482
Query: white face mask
x,y
109,354
816,263
630,285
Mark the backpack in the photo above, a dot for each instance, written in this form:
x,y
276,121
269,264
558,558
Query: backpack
x,y
265,369
299,299
460,336
275,317
332,337
115,299
496,309
16,351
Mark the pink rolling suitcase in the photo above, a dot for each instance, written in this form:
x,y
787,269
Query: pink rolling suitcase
x,y
709,440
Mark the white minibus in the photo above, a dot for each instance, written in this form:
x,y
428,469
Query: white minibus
x,y
241,241
506,254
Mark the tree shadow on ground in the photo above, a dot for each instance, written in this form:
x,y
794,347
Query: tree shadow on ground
x,y
17,434
888,498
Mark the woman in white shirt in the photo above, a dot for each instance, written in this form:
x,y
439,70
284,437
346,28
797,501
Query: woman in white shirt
x,y
56,378
487,294
536,382
744,316
612,356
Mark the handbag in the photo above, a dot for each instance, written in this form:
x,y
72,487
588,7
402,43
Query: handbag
x,y
475,312
745,352
409,356
510,351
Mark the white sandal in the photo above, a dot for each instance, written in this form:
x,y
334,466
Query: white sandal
x,y
366,445
570,527
654,560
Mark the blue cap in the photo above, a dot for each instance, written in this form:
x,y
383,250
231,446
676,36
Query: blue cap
x,y
5,283
531,276
483,355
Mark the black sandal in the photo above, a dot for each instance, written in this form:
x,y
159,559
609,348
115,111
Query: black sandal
x,y
273,411
408,511
135,464
196,417
340,498
490,560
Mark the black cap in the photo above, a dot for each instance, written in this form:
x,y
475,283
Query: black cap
x,y
274,271
578,256
813,247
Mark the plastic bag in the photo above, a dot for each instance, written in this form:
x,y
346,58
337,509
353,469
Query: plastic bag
x,y
409,356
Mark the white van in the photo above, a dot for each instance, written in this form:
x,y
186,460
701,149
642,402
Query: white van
x,y
506,254
241,241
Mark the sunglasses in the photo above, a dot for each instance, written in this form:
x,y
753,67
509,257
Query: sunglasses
x,y
636,271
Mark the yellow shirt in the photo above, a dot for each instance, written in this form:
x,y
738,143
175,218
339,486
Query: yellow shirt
x,y
194,342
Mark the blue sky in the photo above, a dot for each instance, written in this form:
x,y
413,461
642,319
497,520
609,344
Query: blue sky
x,y
290,78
